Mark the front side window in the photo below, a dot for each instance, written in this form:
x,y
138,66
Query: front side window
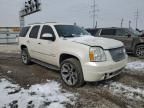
x,y
46,29
70,31
132,32
121,32
108,32
34,32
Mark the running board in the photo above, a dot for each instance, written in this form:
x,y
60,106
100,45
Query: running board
x,y
45,64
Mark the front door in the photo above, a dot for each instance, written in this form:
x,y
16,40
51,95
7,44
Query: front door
x,y
48,48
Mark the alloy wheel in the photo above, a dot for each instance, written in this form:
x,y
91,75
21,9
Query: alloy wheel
x,y
140,51
24,57
69,74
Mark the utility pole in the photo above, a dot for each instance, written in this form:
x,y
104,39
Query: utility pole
x,y
122,20
137,18
129,24
94,15
96,24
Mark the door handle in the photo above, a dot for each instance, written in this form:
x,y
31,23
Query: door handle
x,y
39,43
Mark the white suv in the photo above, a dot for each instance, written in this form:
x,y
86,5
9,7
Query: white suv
x,y
70,49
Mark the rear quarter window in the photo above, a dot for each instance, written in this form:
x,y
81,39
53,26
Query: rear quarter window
x,y
24,31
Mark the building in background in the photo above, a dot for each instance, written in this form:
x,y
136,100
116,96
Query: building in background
x,y
9,35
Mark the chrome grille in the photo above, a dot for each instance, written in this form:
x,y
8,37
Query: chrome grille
x,y
117,54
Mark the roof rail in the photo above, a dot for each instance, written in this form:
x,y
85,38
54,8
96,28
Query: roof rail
x,y
35,23
41,23
50,22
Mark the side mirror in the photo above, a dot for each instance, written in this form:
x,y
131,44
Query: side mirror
x,y
48,36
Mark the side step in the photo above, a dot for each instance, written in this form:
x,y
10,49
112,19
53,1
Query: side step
x,y
45,64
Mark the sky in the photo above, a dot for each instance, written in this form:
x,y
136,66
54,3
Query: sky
x,y
110,12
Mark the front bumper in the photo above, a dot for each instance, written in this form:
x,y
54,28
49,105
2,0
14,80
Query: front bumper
x,y
96,71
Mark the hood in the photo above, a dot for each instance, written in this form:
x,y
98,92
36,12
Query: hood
x,y
105,43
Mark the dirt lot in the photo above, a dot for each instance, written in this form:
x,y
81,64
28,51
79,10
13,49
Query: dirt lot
x,y
123,91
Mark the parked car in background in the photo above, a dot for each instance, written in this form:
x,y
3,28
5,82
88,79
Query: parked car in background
x,y
133,40
79,56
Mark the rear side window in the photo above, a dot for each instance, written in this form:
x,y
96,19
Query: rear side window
x,y
34,32
24,31
108,32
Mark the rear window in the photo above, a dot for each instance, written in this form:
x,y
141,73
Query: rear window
x,y
24,31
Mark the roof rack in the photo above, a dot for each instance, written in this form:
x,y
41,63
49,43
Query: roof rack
x,y
41,23
35,23
50,22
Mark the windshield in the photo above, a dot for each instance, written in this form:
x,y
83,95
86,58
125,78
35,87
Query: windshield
x,y
70,31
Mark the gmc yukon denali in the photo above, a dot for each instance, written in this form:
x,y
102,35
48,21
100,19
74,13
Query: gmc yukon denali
x,y
73,51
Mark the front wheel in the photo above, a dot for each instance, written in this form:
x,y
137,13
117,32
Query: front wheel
x,y
139,51
71,73
25,56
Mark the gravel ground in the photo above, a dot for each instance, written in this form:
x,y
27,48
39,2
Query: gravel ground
x,y
123,91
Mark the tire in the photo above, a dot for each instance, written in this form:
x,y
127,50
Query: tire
x,y
71,73
25,56
139,51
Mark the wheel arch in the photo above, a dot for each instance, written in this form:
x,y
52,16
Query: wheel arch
x,y
23,46
139,44
65,56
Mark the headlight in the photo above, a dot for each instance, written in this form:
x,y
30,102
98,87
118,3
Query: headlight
x,y
97,54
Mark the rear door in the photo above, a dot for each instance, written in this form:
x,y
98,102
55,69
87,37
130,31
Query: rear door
x,y
32,42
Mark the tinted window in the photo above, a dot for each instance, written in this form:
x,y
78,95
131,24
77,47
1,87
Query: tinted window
x,y
92,31
24,31
121,32
34,32
46,29
108,32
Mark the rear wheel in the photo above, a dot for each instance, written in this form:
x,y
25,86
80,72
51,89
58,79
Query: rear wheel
x,y
71,73
25,56
139,51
